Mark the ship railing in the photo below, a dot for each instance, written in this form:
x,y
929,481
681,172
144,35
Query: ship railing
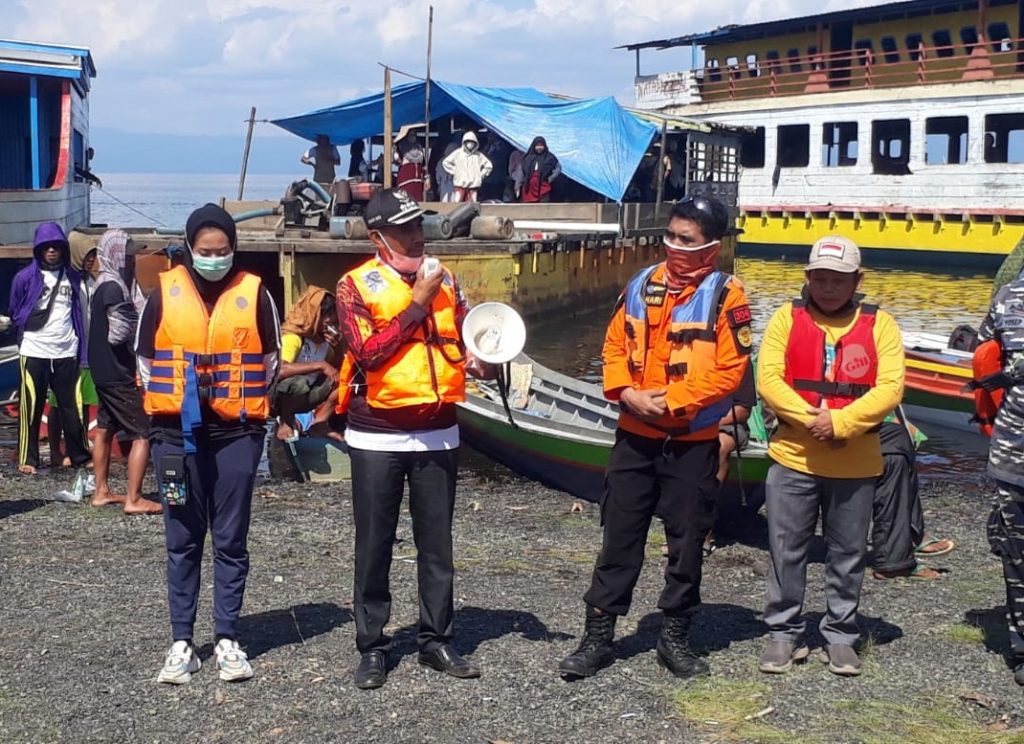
x,y
825,72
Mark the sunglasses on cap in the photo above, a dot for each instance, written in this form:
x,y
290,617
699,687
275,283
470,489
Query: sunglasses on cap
x,y
700,204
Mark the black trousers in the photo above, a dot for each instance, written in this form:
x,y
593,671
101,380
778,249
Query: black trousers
x,y
378,482
37,377
897,521
677,479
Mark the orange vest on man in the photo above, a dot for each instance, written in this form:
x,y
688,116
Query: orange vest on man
x,y
854,370
199,356
430,367
668,340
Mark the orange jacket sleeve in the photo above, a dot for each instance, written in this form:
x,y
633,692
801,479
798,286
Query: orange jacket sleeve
x,y
687,396
615,356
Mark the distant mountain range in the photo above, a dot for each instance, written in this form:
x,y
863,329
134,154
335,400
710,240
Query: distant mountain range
x,y
134,152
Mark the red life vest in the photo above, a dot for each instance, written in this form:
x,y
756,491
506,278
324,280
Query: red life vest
x,y
854,370
987,361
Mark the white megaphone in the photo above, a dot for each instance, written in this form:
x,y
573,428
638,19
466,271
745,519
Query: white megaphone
x,y
494,333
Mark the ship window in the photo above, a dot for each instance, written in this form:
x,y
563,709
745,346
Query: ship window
x,y
752,153
945,140
863,47
715,73
891,49
794,145
943,43
999,35
839,144
969,36
78,154
752,68
1004,138
733,63
914,42
890,146
794,60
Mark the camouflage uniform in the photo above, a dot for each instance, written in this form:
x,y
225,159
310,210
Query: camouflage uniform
x,y
1005,322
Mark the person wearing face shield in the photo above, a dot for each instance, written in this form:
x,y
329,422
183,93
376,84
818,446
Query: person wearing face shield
x,y
468,168
208,347
46,309
675,353
405,369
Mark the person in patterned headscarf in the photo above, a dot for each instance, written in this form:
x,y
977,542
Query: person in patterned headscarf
x,y
112,323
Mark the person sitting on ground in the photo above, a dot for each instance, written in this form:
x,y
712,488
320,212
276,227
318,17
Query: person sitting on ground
x,y
537,171
898,538
113,320
307,382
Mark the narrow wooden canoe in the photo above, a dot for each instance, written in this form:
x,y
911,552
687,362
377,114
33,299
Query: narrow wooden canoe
x,y
563,431
935,379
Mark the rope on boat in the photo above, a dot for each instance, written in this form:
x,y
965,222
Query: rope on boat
x,y
126,205
504,380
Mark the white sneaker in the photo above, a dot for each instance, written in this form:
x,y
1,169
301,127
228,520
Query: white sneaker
x,y
231,660
181,663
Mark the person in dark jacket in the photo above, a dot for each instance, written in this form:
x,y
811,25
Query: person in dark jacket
x,y
45,307
539,170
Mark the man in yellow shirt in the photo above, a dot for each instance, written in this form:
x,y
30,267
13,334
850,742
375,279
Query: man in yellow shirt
x,y
831,367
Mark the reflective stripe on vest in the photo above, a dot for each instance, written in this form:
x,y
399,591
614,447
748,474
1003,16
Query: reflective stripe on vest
x,y
854,370
217,358
693,334
428,368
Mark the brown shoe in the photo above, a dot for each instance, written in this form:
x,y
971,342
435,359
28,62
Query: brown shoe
x,y
779,656
842,660
918,573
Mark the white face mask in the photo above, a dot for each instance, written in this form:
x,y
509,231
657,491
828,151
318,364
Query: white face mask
x,y
673,246
401,263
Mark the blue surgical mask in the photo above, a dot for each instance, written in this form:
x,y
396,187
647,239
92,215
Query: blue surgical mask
x,y
213,268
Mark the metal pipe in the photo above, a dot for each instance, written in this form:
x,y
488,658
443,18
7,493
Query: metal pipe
x,y
661,166
388,129
607,228
426,104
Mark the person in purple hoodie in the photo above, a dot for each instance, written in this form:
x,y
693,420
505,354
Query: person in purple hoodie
x,y
46,310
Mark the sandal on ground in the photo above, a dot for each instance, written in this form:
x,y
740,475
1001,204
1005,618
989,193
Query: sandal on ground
x,y
919,573
934,546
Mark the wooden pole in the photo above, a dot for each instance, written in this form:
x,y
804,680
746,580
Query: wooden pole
x,y
388,136
426,100
245,153
661,164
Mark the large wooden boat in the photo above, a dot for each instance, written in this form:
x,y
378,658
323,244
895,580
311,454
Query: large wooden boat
x,y
899,125
44,137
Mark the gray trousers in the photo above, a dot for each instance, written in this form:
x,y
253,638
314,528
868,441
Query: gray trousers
x,y
793,502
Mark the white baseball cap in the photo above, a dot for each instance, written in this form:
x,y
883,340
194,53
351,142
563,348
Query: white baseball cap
x,y
835,253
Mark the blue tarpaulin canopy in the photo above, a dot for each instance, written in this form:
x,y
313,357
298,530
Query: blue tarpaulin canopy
x,y
598,143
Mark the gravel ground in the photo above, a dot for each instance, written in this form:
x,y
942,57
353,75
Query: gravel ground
x,y
83,629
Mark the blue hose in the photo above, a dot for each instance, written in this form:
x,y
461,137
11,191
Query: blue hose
x,y
320,191
256,213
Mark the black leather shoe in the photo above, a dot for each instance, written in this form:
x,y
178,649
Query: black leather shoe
x,y
372,671
446,659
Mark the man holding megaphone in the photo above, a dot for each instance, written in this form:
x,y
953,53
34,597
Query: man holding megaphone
x,y
675,352
405,369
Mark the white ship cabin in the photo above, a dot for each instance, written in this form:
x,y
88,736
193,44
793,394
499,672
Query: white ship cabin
x,y
44,137
909,111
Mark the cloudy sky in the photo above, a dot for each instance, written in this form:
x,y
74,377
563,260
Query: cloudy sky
x,y
196,66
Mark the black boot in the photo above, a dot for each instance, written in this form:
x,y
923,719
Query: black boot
x,y
674,648
595,651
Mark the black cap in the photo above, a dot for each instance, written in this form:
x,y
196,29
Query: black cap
x,y
391,207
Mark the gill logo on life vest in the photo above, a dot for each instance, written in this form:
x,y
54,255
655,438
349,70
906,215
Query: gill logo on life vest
x,y
856,361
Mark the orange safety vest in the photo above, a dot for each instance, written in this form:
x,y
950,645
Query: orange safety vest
x,y
692,332
430,367
987,362
214,358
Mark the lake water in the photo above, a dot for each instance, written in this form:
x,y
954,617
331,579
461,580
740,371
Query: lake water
x,y
934,301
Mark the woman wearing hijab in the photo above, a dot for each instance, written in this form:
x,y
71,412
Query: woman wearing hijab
x,y
539,169
308,383
208,347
